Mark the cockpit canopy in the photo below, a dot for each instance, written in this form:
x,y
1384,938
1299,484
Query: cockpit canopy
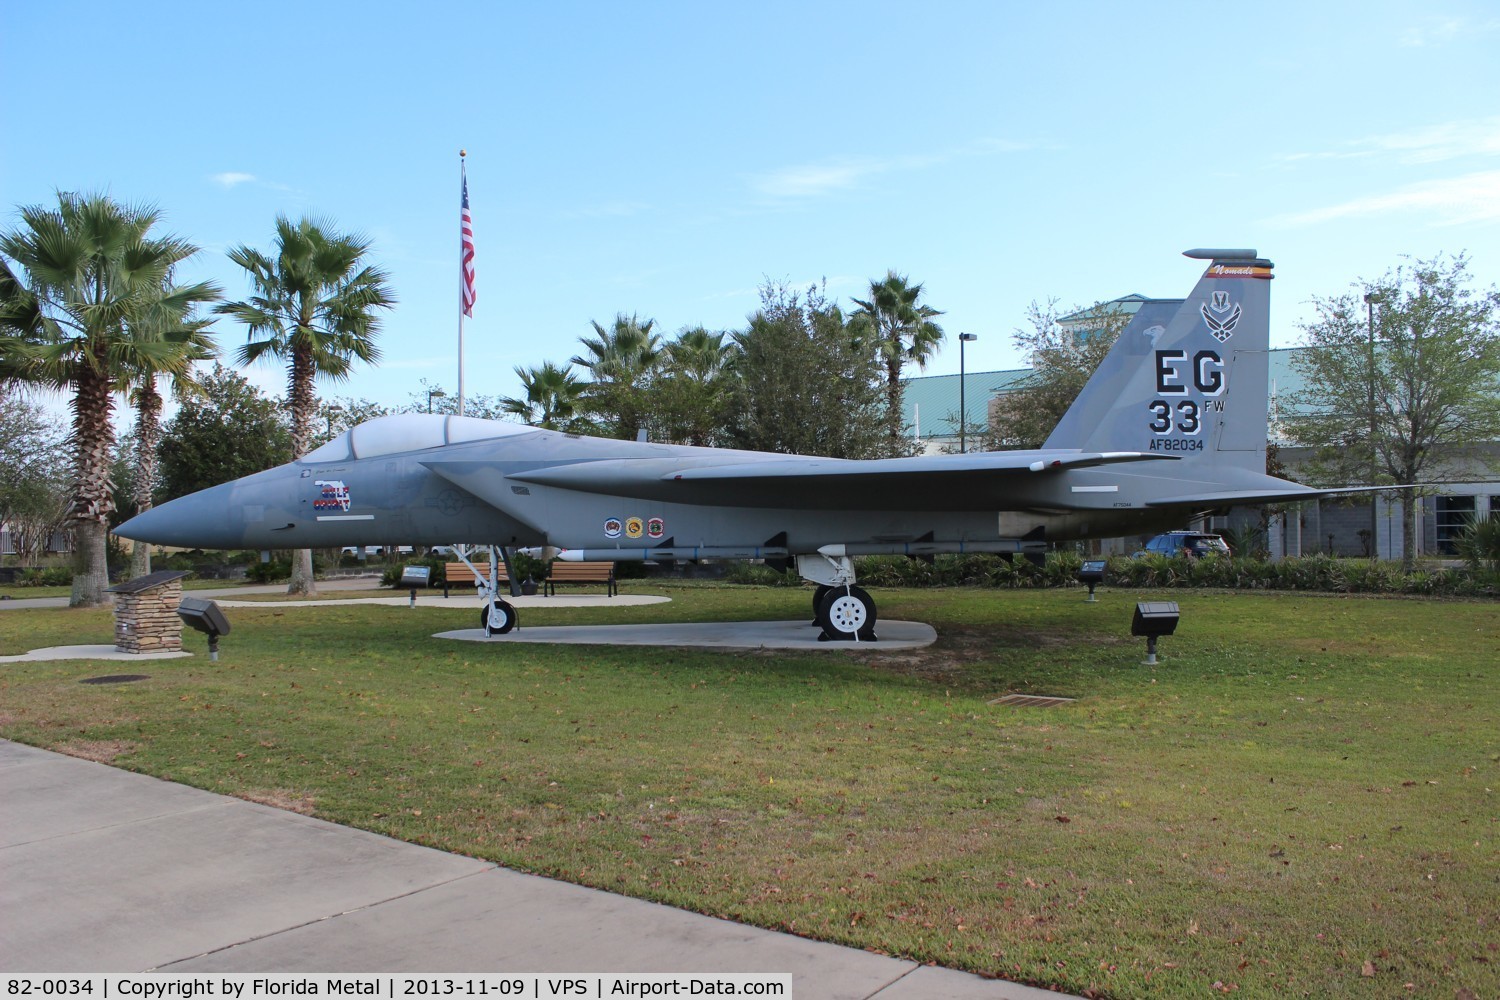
x,y
409,432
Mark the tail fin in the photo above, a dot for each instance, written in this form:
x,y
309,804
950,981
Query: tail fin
x,y
1186,379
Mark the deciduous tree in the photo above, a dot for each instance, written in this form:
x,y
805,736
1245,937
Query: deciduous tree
x,y
34,488
227,431
1431,371
1063,356
804,381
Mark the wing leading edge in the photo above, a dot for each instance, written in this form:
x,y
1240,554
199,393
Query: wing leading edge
x,y
929,482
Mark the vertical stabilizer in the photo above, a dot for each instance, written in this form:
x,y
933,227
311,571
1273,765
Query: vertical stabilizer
x,y
1186,380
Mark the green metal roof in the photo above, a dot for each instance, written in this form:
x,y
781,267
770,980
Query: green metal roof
x,y
930,402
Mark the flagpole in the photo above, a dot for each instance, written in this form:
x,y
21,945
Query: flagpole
x,y
464,184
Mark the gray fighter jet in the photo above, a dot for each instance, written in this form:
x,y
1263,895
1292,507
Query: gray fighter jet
x,y
1172,423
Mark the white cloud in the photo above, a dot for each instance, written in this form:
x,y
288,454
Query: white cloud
x,y
1448,201
232,178
812,180
1442,30
1431,144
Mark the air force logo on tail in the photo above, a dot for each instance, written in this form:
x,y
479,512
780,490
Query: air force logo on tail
x,y
1221,316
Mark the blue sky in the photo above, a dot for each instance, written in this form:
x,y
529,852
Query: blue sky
x,y
665,159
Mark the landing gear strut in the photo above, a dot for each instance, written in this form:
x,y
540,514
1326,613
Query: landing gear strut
x,y
497,616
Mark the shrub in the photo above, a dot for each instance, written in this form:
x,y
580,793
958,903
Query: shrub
x,y
760,575
270,572
54,576
1248,540
1479,545
1317,572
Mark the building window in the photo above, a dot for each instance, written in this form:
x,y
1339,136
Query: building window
x,y
1454,515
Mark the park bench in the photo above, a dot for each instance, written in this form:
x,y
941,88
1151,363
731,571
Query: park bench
x,y
457,572
580,572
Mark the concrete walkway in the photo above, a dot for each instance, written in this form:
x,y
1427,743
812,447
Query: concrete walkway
x,y
337,583
102,870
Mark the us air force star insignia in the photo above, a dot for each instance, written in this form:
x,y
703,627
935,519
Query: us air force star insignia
x,y
450,502
1221,316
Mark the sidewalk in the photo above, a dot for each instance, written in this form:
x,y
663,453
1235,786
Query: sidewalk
x,y
337,583
102,870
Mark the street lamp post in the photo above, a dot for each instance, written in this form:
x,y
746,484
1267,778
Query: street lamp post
x,y
329,414
963,409
440,394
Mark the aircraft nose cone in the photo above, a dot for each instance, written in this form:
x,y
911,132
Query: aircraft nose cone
x,y
195,521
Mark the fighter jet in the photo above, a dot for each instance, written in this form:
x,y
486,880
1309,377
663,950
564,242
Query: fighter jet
x,y
1171,424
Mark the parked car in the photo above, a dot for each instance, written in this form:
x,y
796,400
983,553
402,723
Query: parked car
x,y
1189,543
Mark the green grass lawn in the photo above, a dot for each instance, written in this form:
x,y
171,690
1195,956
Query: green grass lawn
x,y
1300,799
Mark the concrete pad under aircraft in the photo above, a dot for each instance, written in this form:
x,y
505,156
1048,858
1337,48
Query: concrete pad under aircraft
x,y
894,635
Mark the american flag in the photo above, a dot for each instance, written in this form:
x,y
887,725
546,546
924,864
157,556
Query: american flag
x,y
466,253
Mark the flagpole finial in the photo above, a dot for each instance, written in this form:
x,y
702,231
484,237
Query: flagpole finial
x,y
463,153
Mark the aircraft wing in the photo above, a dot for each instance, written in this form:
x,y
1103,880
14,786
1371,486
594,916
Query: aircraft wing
x,y
930,482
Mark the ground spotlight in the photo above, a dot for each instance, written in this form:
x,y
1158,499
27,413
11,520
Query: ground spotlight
x,y
1153,619
1091,573
206,617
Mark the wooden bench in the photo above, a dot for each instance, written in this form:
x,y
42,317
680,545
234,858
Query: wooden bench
x,y
457,572
580,572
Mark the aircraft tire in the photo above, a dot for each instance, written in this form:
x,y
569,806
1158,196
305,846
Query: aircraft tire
x,y
818,595
848,614
505,609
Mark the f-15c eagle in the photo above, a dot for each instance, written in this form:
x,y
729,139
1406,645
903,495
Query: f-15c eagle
x,y
1172,423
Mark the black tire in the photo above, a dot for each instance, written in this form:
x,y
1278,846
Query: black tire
x,y
505,608
848,613
818,597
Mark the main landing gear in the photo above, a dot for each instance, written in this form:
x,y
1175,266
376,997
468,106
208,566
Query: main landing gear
x,y
497,616
844,612
497,619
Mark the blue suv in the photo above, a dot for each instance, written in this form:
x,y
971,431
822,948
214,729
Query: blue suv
x,y
1186,543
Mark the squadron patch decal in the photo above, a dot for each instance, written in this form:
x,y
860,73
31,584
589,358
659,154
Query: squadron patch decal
x,y
612,527
634,528
656,527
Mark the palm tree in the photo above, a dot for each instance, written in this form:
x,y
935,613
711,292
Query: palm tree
x,y
551,400
904,328
620,359
77,280
190,339
314,308
699,354
693,390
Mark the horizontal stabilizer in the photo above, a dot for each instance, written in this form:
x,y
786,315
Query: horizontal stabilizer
x,y
1229,498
